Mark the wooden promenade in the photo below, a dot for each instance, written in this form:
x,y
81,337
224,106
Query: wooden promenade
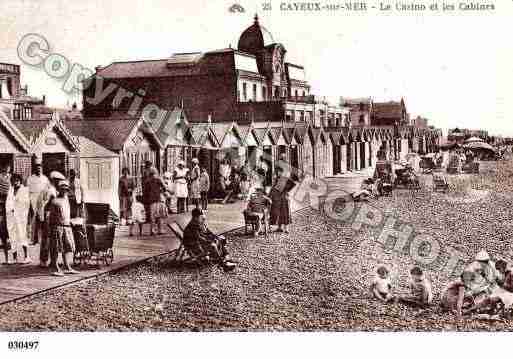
x,y
19,281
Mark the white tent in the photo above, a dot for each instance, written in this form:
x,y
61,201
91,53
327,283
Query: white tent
x,y
473,139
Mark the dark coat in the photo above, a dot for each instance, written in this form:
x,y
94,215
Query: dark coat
x,y
280,207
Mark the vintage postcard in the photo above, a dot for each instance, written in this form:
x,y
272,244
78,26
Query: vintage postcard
x,y
230,166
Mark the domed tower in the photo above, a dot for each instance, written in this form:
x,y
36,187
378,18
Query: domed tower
x,y
258,41
255,38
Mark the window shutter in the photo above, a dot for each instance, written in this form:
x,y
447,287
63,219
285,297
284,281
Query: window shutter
x,y
22,165
106,175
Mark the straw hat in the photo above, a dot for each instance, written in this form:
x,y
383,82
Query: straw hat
x,y
57,175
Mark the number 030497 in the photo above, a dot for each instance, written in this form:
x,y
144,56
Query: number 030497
x,y
22,345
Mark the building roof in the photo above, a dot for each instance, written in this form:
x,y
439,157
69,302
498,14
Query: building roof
x,y
14,131
32,130
109,133
89,148
149,68
388,110
255,38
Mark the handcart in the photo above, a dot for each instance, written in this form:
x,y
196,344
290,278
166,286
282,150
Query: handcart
x,y
99,234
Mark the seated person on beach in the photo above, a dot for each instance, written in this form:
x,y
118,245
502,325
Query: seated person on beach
x,y
485,278
505,279
199,241
257,208
456,298
421,292
367,190
381,287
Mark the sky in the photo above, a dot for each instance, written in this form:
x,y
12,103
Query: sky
x,y
456,68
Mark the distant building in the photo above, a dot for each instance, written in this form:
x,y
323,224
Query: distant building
x,y
389,113
420,122
359,110
14,99
251,83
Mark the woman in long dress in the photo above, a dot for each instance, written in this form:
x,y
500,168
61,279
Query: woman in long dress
x,y
181,191
194,176
17,210
280,207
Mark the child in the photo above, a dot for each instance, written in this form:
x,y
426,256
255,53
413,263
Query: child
x,y
456,297
169,191
421,292
381,287
61,235
506,276
204,183
138,215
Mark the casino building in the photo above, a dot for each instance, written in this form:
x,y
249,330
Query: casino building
x,y
241,103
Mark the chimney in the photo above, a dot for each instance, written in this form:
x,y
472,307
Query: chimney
x,y
44,99
209,120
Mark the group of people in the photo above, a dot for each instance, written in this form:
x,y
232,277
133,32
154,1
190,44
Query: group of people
x,y
271,206
158,196
484,286
41,210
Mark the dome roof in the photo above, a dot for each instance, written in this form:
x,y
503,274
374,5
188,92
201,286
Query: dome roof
x,y
255,38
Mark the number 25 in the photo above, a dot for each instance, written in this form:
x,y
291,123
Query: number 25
x,y
266,6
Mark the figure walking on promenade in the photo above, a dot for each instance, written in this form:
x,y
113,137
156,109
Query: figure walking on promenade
x,y
180,177
280,206
45,197
60,235
36,183
126,192
195,182
5,186
17,209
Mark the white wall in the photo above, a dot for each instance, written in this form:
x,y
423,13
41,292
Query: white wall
x,y
108,196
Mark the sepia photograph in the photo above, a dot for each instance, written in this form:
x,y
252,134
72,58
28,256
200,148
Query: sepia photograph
x,y
255,166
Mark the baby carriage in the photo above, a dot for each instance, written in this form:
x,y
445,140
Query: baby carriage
x,y
94,236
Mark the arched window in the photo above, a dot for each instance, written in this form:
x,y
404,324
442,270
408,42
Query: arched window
x,y
244,92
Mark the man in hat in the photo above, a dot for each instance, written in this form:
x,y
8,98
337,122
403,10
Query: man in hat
x,y
45,198
180,175
199,240
36,183
60,235
145,176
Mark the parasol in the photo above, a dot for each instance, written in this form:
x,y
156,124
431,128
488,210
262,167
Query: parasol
x,y
473,139
479,146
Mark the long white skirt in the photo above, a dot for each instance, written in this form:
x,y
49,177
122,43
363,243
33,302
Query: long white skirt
x,y
181,190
